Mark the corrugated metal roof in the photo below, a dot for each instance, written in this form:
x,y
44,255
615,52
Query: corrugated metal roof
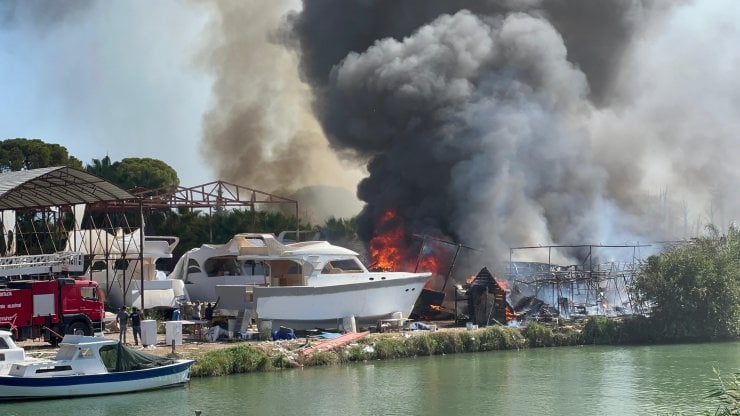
x,y
55,186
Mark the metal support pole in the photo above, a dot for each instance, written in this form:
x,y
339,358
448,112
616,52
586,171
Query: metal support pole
x,y
141,252
297,224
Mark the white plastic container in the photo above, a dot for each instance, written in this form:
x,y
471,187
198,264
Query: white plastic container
x,y
148,332
173,331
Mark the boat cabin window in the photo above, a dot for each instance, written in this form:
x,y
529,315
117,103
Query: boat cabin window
x,y
89,293
66,352
98,266
109,356
222,266
285,273
3,344
121,264
341,266
253,268
53,369
86,352
193,266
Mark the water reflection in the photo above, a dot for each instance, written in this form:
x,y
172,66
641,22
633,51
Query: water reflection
x,y
557,381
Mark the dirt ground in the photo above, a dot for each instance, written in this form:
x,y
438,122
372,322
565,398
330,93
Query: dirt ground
x,y
188,347
193,348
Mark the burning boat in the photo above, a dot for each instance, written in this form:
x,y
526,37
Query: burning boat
x,y
301,285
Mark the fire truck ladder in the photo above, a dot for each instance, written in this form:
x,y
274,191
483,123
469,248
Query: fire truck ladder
x,y
39,264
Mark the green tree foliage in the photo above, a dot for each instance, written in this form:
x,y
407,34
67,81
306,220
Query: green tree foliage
x,y
136,172
21,154
102,168
694,289
339,229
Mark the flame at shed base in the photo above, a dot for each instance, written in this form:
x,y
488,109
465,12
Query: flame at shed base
x,y
392,249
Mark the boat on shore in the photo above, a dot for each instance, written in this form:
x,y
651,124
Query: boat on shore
x,y
88,366
10,353
118,268
301,285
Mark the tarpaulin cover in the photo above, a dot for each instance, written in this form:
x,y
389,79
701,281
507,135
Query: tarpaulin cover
x,y
118,358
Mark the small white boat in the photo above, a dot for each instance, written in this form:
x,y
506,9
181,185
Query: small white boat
x,y
301,285
87,366
10,353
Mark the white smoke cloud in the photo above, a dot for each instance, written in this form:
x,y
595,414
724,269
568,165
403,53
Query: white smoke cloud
x,y
260,130
669,139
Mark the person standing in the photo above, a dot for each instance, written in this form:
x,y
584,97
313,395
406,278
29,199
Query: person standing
x,y
122,321
196,311
208,316
136,324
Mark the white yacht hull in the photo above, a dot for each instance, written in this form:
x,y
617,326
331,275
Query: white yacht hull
x,y
304,307
157,293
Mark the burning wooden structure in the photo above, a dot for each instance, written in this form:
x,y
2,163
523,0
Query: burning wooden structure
x,y
487,303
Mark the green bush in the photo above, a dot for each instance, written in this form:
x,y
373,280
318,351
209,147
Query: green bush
x,y
320,358
421,344
694,289
538,335
566,337
599,330
636,330
212,364
470,340
728,393
240,359
245,359
447,342
390,348
499,337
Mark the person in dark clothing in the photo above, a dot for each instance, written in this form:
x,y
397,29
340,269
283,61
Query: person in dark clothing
x,y
122,321
209,312
136,324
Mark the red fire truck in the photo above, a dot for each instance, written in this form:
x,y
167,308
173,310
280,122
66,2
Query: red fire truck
x,y
49,309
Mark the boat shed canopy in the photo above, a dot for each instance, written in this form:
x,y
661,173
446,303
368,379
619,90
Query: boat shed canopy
x,y
55,186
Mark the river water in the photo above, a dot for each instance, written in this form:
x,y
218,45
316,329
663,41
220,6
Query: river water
x,y
648,380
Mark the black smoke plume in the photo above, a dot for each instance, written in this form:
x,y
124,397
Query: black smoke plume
x,y
500,123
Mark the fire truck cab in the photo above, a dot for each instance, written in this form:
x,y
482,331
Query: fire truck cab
x,y
49,309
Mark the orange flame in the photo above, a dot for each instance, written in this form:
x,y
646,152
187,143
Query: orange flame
x,y
387,248
390,250
509,314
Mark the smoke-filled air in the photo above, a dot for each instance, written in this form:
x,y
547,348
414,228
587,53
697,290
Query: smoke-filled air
x,y
489,123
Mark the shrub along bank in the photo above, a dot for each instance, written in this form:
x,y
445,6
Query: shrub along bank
x,y
246,358
598,330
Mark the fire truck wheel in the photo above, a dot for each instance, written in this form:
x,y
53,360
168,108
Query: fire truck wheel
x,y
78,328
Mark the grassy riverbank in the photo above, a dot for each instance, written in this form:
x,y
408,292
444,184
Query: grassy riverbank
x,y
250,357
268,356
271,356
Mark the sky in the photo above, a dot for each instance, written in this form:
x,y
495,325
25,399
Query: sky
x,y
109,79
495,123
153,79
